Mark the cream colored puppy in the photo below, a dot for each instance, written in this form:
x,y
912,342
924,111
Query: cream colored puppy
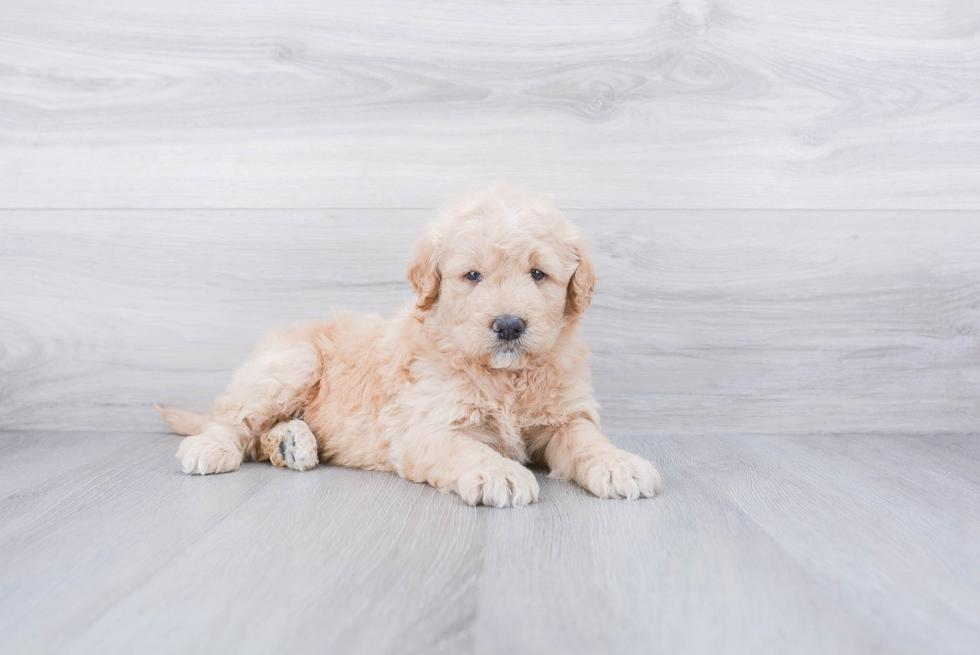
x,y
483,373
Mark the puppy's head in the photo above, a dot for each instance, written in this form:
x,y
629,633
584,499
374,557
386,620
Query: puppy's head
x,y
500,276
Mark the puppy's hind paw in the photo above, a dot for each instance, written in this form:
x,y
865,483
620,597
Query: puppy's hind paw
x,y
297,447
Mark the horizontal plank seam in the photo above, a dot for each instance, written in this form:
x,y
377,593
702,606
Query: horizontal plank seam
x,y
562,207
620,433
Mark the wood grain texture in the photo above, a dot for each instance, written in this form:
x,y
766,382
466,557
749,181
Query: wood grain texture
x,y
703,322
384,103
842,544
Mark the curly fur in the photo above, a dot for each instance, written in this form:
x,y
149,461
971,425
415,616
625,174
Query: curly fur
x,y
433,394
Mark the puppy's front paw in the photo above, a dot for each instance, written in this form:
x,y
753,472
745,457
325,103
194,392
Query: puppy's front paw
x,y
202,455
297,447
619,474
499,484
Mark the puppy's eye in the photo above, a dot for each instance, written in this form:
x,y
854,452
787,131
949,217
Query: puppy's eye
x,y
473,276
537,275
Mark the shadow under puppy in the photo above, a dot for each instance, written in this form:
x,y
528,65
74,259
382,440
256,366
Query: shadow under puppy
x,y
483,372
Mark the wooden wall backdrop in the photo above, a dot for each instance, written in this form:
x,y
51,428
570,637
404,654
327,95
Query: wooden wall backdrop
x,y
784,197
401,103
736,321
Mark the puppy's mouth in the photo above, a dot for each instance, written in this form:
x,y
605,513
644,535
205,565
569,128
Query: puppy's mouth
x,y
515,347
508,354
506,357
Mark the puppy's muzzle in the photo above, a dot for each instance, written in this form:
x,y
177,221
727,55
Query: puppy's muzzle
x,y
508,328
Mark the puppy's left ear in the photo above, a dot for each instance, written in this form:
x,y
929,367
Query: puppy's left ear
x,y
423,271
581,285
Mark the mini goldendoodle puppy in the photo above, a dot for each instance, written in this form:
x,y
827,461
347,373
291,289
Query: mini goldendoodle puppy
x,y
484,372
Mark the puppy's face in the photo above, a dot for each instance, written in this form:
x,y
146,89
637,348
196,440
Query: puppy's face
x,y
501,276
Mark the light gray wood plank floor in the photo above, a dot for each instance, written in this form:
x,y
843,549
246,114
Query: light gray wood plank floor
x,y
817,544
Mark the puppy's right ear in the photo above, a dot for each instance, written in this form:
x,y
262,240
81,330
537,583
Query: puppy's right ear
x,y
423,270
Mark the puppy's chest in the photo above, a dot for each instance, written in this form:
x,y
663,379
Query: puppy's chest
x,y
513,408
510,423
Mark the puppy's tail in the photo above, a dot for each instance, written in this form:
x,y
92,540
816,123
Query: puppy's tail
x,y
181,422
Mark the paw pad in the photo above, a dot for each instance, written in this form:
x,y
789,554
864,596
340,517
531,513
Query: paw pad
x,y
298,447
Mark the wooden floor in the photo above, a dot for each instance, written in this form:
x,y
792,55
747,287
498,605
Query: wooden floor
x,y
817,544
783,202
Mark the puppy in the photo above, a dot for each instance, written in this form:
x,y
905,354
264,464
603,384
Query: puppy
x,y
482,373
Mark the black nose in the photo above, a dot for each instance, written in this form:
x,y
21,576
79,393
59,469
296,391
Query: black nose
x,y
508,328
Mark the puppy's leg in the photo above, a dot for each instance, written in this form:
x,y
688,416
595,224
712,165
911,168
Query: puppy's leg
x,y
453,461
290,444
273,384
580,452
